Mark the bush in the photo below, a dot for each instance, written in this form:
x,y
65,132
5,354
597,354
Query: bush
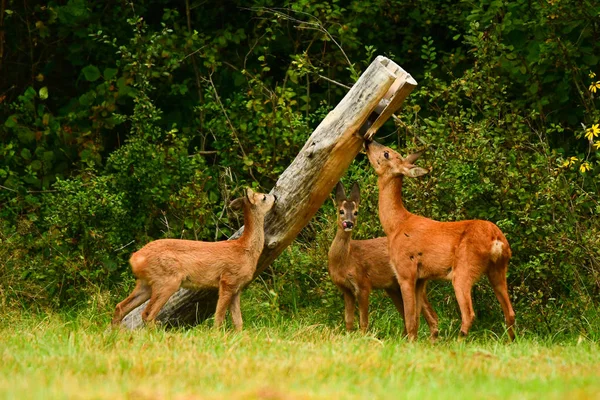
x,y
144,123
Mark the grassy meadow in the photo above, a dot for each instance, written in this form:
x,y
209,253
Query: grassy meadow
x,y
75,356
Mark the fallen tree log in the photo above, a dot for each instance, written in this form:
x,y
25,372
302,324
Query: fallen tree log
x,y
307,182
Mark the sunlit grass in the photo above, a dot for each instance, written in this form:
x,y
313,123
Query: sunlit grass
x,y
77,357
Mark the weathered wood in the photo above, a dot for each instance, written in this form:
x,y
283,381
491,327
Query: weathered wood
x,y
394,98
306,183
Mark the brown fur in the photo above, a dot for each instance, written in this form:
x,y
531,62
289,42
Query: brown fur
x,y
423,249
358,266
163,266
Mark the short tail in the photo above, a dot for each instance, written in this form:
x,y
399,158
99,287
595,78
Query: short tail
x,y
497,250
137,262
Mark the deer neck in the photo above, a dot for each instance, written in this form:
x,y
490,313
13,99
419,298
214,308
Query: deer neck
x,y
391,207
340,248
253,237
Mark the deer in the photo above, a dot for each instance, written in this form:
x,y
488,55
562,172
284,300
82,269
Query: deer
x,y
422,249
358,266
165,265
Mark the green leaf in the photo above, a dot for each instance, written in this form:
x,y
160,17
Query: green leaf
x,y
26,154
11,121
533,88
48,156
26,135
110,73
43,93
91,73
36,165
87,99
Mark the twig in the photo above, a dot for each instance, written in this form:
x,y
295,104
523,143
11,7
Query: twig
x,y
233,130
29,191
203,153
318,26
2,8
252,48
194,65
192,53
25,8
8,90
165,221
334,82
218,98
7,188
125,245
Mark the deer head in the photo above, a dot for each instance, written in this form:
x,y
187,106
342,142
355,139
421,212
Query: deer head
x,y
259,203
388,162
347,208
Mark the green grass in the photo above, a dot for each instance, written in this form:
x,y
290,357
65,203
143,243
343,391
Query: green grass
x,y
76,357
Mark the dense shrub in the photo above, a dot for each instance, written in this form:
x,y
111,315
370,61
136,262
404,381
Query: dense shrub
x,y
142,121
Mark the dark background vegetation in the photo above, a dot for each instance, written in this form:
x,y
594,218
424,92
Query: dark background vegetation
x,y
125,122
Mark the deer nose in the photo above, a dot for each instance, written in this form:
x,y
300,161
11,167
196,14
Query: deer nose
x,y
349,225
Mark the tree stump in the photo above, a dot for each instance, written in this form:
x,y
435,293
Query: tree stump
x,y
305,185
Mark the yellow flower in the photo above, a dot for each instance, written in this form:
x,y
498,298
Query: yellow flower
x,y
592,75
592,132
569,161
594,86
585,166
597,145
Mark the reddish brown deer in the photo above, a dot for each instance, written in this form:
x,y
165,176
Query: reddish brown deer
x,y
358,266
423,249
163,266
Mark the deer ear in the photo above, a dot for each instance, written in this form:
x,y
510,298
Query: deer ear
x,y
411,158
340,194
416,172
237,204
250,195
355,193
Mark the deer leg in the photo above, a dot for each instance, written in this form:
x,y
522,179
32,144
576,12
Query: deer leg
x,y
226,292
463,283
140,294
363,308
349,305
419,294
429,314
160,294
497,277
236,312
396,297
407,286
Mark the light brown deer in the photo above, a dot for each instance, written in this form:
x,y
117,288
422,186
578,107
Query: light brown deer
x,y
423,249
163,266
358,266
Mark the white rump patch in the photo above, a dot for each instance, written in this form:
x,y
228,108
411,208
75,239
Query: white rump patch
x,y
496,250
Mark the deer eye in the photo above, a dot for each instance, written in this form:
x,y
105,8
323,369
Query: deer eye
x,y
355,213
341,212
386,155
264,198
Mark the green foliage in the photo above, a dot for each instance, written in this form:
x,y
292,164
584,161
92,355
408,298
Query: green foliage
x,y
121,125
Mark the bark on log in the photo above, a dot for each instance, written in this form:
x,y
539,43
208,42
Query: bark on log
x,y
307,182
